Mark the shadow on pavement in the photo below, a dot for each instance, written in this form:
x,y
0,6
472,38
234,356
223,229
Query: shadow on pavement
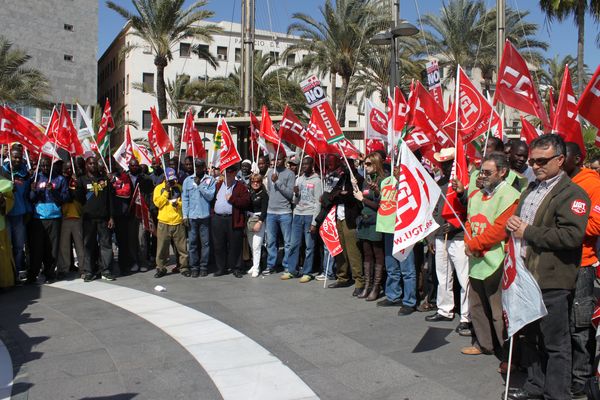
x,y
433,339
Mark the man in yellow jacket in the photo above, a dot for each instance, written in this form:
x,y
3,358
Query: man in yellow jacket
x,y
167,198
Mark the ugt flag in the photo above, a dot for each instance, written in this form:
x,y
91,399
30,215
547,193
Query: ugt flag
x,y
417,195
521,296
329,233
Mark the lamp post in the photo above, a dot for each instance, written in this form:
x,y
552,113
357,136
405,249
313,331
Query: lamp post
x,y
388,38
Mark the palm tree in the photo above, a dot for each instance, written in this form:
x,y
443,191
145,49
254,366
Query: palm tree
x,y
552,74
163,24
334,45
560,10
18,84
272,87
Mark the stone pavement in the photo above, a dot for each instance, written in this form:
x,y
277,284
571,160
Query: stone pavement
x,y
66,345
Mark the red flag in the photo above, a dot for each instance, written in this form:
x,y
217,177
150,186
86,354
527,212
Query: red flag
x,y
589,103
551,106
16,128
67,137
515,87
157,137
317,139
192,139
329,233
566,122
528,131
348,149
107,124
267,130
374,145
255,134
474,111
428,117
140,209
376,122
459,172
228,154
292,131
398,114
597,141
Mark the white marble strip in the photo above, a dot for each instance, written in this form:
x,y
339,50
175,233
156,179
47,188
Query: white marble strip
x,y
239,367
6,373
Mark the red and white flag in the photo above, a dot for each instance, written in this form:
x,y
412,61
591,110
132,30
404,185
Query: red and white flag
x,y
140,209
107,124
376,122
522,301
157,137
589,103
397,115
225,153
528,131
453,204
428,117
292,131
566,121
516,88
317,138
16,128
129,150
329,233
67,135
417,197
267,130
192,138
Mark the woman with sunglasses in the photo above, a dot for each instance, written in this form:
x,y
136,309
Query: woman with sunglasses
x,y
371,241
256,220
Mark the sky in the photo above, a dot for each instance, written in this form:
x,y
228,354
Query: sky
x,y
276,15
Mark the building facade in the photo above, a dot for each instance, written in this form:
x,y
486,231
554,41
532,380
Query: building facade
x,y
118,74
61,36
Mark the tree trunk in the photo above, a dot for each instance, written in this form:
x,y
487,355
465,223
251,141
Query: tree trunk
x,y
344,101
161,92
580,41
333,76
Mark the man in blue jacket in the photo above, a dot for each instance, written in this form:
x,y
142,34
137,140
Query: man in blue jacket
x,y
48,194
198,192
18,216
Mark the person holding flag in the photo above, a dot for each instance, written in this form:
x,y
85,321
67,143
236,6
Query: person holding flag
x,y
140,235
70,227
449,256
551,219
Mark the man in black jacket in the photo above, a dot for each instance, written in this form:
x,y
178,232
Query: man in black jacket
x,y
94,192
551,219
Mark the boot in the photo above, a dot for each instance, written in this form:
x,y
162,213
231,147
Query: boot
x,y
368,267
374,295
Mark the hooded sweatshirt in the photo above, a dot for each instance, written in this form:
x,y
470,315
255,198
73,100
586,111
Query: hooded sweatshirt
x,y
589,181
21,185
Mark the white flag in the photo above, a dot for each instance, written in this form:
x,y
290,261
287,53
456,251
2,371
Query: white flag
x,y
417,197
522,301
86,133
376,122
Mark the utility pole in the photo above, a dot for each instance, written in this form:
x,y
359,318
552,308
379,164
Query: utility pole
x,y
394,60
500,30
248,11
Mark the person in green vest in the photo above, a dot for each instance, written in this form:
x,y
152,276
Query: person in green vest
x,y
487,213
520,174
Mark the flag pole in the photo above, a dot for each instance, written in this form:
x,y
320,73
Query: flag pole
x,y
27,158
391,138
326,268
180,142
100,154
347,163
510,352
277,154
301,157
487,135
12,173
456,215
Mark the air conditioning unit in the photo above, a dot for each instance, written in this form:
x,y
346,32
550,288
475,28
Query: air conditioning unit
x,y
221,57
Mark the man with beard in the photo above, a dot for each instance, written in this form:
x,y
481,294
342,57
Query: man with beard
x,y
94,192
245,172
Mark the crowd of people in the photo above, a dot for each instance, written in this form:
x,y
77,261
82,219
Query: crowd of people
x,y
259,220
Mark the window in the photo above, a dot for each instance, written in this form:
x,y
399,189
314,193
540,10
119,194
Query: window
x,y
46,117
352,124
146,120
68,57
222,53
290,60
185,49
275,56
352,100
238,55
69,27
203,48
148,82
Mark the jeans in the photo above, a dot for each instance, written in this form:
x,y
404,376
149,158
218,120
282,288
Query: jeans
x,y
275,222
18,234
199,233
400,275
301,228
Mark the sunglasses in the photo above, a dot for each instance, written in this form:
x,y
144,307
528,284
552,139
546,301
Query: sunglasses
x,y
368,164
541,161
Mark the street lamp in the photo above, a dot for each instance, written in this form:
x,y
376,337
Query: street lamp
x,y
385,38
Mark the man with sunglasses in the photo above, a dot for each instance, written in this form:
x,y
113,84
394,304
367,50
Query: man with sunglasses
x,y
550,219
583,341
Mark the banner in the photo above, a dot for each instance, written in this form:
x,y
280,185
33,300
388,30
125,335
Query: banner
x,y
324,116
522,301
434,83
417,197
157,137
329,233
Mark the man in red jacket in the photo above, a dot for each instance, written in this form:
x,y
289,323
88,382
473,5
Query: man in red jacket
x,y
232,198
582,337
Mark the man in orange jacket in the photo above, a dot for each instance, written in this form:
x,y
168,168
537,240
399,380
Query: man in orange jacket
x,y
582,336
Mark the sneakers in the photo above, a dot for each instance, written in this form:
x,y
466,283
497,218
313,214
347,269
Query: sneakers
x,y
286,276
108,277
320,277
464,329
268,272
253,272
306,278
143,269
134,268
